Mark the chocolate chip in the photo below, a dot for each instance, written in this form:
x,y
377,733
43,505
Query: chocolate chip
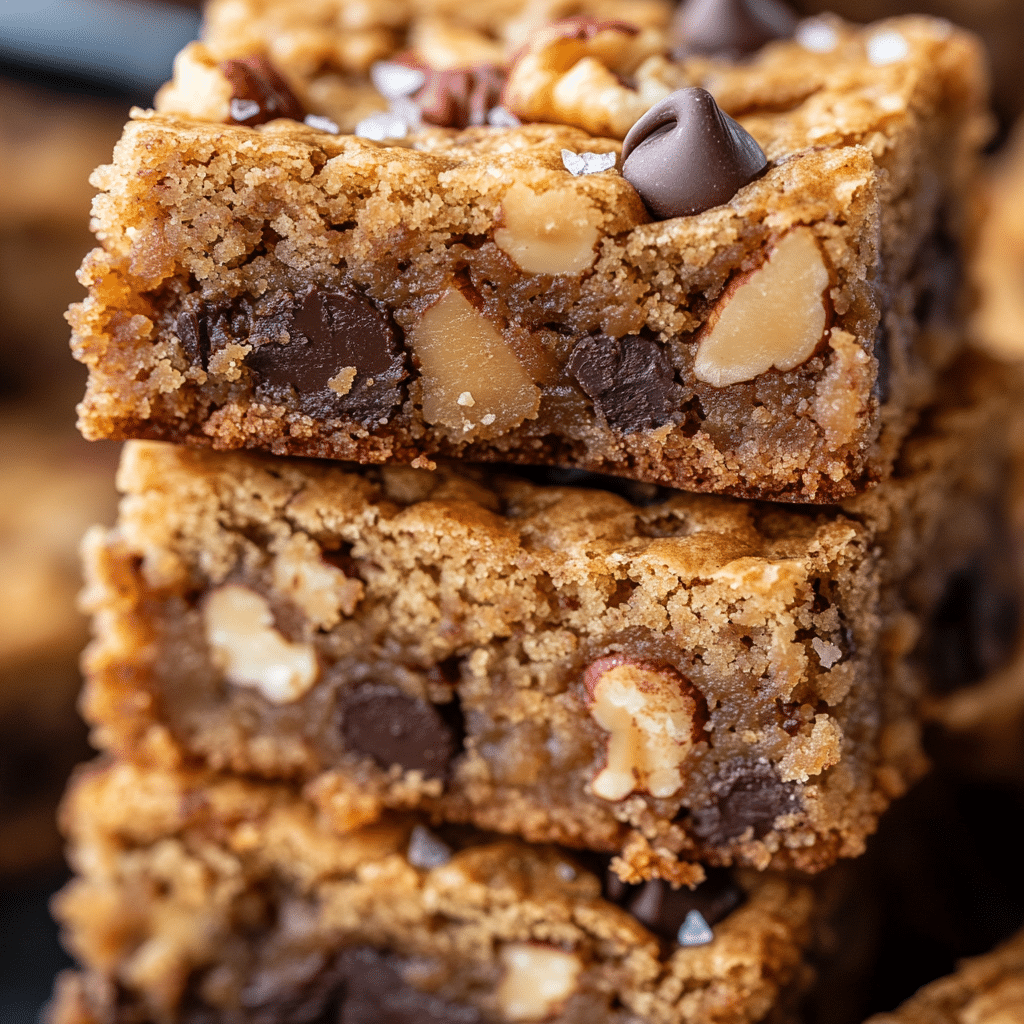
x,y
753,799
195,342
258,93
975,628
343,355
376,993
630,380
206,327
460,97
663,909
685,155
394,728
729,28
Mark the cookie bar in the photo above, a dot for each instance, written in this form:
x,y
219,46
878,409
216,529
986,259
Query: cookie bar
x,y
998,269
204,899
326,54
663,677
463,294
987,989
52,487
998,22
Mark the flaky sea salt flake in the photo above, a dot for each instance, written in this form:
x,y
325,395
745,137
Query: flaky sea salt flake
x,y
393,80
587,163
695,931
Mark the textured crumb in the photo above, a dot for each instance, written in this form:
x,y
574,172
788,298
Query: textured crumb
x,y
202,897
510,626
231,254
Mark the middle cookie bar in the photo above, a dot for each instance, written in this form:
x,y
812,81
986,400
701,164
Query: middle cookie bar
x,y
669,678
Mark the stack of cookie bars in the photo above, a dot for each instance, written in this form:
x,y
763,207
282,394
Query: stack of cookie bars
x,y
581,490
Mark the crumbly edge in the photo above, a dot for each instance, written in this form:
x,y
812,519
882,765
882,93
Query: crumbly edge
x,y
147,400
171,863
986,988
499,592
874,691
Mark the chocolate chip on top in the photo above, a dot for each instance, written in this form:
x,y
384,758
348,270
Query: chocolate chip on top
x,y
258,93
729,28
460,97
685,155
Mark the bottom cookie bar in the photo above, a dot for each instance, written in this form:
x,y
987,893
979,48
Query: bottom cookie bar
x,y
204,899
986,989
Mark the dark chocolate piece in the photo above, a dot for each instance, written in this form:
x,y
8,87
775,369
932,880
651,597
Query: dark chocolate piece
x,y
258,93
663,909
974,631
394,728
729,28
460,97
630,380
332,331
753,799
376,993
685,155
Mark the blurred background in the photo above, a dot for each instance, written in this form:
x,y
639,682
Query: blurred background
x,y
69,72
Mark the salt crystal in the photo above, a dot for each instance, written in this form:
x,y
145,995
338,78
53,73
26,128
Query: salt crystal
x,y
695,931
587,163
383,125
828,653
322,124
887,48
817,36
243,110
393,80
502,117
426,851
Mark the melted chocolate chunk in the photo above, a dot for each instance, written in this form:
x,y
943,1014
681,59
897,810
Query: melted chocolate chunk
x,y
753,799
343,355
258,93
460,97
205,327
729,28
975,629
376,993
394,728
663,909
630,380
685,155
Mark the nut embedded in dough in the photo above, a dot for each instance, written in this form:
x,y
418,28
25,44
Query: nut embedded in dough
x,y
250,651
776,315
651,712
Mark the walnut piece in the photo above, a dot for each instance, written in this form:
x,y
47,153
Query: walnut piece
x,y
199,87
551,232
652,714
574,72
250,651
537,980
776,315
461,352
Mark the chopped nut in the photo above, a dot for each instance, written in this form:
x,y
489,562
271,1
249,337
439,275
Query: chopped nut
x,y
572,72
550,232
776,315
537,980
250,652
199,87
459,350
652,714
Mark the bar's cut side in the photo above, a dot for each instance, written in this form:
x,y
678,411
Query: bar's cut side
x,y
463,294
694,677
204,899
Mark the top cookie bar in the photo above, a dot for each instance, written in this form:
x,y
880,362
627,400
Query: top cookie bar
x,y
462,293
